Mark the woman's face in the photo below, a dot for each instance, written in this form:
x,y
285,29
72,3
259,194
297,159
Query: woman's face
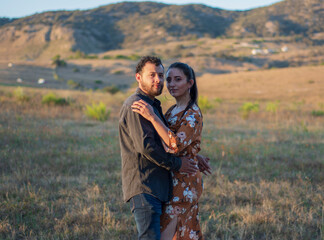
x,y
177,83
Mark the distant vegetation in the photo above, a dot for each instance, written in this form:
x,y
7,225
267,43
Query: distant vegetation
x,y
247,108
58,62
20,94
52,98
133,57
4,21
318,113
132,24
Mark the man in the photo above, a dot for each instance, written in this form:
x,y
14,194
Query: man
x,y
146,176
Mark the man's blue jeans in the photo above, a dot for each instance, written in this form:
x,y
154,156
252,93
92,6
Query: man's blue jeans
x,y
147,211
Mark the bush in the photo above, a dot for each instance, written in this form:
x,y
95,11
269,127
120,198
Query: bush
x,y
58,62
74,84
98,82
121,57
247,108
97,111
118,72
90,56
218,100
272,107
111,89
20,95
318,113
133,57
204,104
51,98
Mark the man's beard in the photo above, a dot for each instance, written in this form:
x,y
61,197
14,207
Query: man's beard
x,y
152,91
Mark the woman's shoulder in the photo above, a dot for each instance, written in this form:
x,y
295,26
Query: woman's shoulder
x,y
170,109
194,109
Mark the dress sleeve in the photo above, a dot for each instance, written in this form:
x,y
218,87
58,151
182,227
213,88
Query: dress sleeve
x,y
188,134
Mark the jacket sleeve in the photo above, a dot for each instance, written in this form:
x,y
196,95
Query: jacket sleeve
x,y
148,143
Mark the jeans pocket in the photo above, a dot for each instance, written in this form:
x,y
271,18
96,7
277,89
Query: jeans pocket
x,y
138,201
132,204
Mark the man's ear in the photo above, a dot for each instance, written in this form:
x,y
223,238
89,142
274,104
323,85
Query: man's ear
x,y
138,77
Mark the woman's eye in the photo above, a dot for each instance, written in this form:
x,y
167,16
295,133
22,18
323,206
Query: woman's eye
x,y
168,80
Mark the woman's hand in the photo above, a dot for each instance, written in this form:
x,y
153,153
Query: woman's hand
x,y
203,164
143,108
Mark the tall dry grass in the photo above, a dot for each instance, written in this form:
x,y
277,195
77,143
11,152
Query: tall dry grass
x,y
60,171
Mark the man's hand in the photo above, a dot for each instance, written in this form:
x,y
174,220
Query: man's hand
x,y
188,166
203,164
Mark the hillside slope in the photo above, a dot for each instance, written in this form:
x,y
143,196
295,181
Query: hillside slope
x,y
131,25
285,18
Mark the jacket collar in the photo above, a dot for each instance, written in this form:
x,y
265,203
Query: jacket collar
x,y
147,99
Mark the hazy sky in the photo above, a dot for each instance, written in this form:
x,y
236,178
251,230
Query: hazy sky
x,y
21,8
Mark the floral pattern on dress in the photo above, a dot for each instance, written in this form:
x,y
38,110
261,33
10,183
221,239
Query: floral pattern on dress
x,y
184,140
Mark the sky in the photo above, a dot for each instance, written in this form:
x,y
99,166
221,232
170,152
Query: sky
x,y
22,8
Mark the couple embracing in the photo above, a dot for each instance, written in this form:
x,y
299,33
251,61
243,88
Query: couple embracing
x,y
161,167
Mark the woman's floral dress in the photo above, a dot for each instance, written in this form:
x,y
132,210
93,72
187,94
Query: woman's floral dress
x,y
185,136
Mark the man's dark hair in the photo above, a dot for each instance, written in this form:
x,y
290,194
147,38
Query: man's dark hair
x,y
155,60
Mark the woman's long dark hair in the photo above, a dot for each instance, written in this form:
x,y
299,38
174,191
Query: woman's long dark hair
x,y
190,74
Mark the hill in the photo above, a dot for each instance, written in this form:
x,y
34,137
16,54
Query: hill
x,y
285,18
130,25
4,21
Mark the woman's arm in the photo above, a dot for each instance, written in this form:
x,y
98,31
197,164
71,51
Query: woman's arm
x,y
146,110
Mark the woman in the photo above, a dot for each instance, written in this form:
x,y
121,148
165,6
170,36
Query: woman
x,y
179,218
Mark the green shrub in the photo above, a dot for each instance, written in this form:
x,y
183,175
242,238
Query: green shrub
x,y
218,100
111,89
52,98
20,95
74,84
318,113
204,104
133,57
90,56
77,55
247,108
121,57
98,82
97,111
118,72
272,107
58,62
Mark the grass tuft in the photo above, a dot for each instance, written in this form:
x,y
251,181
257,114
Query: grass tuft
x,y
247,108
97,111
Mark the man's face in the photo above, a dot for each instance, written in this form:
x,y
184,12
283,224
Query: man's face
x,y
151,79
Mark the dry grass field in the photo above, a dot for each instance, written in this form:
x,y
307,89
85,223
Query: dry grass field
x,y
263,131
